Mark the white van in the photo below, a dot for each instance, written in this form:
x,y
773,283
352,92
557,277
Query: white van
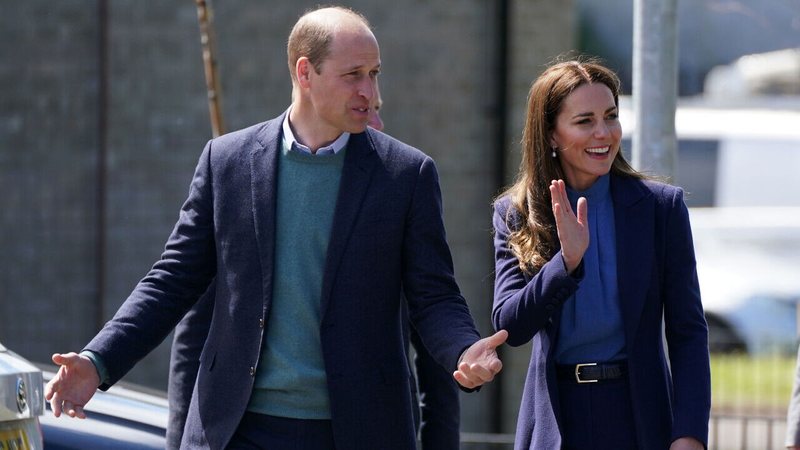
x,y
737,153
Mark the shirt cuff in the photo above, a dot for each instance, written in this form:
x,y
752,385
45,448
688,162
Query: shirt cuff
x,y
102,372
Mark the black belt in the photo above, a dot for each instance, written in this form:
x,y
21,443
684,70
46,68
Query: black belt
x,y
592,372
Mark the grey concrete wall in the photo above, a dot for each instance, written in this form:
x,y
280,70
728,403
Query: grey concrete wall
x,y
48,112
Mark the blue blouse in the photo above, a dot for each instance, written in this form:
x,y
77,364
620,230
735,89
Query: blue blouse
x,y
591,327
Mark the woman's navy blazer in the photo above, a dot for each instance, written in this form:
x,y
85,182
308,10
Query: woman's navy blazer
x,y
657,277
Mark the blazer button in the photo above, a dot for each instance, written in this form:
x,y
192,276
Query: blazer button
x,y
261,323
252,371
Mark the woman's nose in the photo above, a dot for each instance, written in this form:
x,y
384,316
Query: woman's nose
x,y
601,130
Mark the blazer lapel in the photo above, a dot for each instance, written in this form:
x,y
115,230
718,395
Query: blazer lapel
x,y
359,162
634,212
263,182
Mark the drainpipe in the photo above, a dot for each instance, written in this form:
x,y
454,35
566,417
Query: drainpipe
x,y
102,152
501,125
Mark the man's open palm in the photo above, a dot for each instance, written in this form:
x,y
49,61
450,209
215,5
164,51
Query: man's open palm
x,y
73,386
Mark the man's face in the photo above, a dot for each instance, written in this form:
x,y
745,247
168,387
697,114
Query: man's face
x,y
341,94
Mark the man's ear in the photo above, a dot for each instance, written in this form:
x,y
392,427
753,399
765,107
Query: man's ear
x,y
303,68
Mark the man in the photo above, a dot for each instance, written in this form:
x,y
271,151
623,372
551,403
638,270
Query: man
x,y
436,394
310,224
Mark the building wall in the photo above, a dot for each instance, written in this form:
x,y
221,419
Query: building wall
x,y
48,138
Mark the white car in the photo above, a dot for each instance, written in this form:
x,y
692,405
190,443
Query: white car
x,y
739,153
748,263
21,403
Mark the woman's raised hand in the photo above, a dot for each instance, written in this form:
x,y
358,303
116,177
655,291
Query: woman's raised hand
x,y
573,231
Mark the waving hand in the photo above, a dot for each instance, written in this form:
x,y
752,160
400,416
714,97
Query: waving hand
x,y
573,231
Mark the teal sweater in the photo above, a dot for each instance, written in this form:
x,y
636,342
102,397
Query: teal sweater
x,y
290,380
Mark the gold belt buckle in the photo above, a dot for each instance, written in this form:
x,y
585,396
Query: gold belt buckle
x,y
578,373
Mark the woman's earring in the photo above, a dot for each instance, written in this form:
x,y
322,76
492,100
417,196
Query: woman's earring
x,y
554,152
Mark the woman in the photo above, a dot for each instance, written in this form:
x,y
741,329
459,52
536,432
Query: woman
x,y
588,255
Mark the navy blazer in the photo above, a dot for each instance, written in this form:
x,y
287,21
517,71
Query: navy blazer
x,y
184,363
387,235
436,400
656,274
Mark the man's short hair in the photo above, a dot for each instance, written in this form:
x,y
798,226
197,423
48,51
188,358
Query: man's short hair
x,y
313,33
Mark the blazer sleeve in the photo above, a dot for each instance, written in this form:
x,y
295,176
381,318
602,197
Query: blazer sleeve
x,y
187,345
170,288
524,305
685,327
436,307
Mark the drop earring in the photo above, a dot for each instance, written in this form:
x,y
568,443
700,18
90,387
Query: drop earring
x,y
554,152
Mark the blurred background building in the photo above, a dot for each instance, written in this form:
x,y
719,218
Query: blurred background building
x,y
103,115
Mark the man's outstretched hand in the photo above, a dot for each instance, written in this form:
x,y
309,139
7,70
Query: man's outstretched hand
x,y
73,386
479,363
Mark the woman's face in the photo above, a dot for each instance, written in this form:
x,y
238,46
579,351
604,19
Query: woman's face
x,y
587,134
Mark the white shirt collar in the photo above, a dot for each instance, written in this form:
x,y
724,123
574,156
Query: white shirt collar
x,y
289,139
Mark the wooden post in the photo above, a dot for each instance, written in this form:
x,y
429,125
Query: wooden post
x,y
205,20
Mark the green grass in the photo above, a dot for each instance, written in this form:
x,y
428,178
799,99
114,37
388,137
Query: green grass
x,y
751,385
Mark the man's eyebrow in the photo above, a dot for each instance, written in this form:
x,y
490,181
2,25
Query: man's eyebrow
x,y
359,67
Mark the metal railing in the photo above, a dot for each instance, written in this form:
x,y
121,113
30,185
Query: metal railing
x,y
726,432
750,432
